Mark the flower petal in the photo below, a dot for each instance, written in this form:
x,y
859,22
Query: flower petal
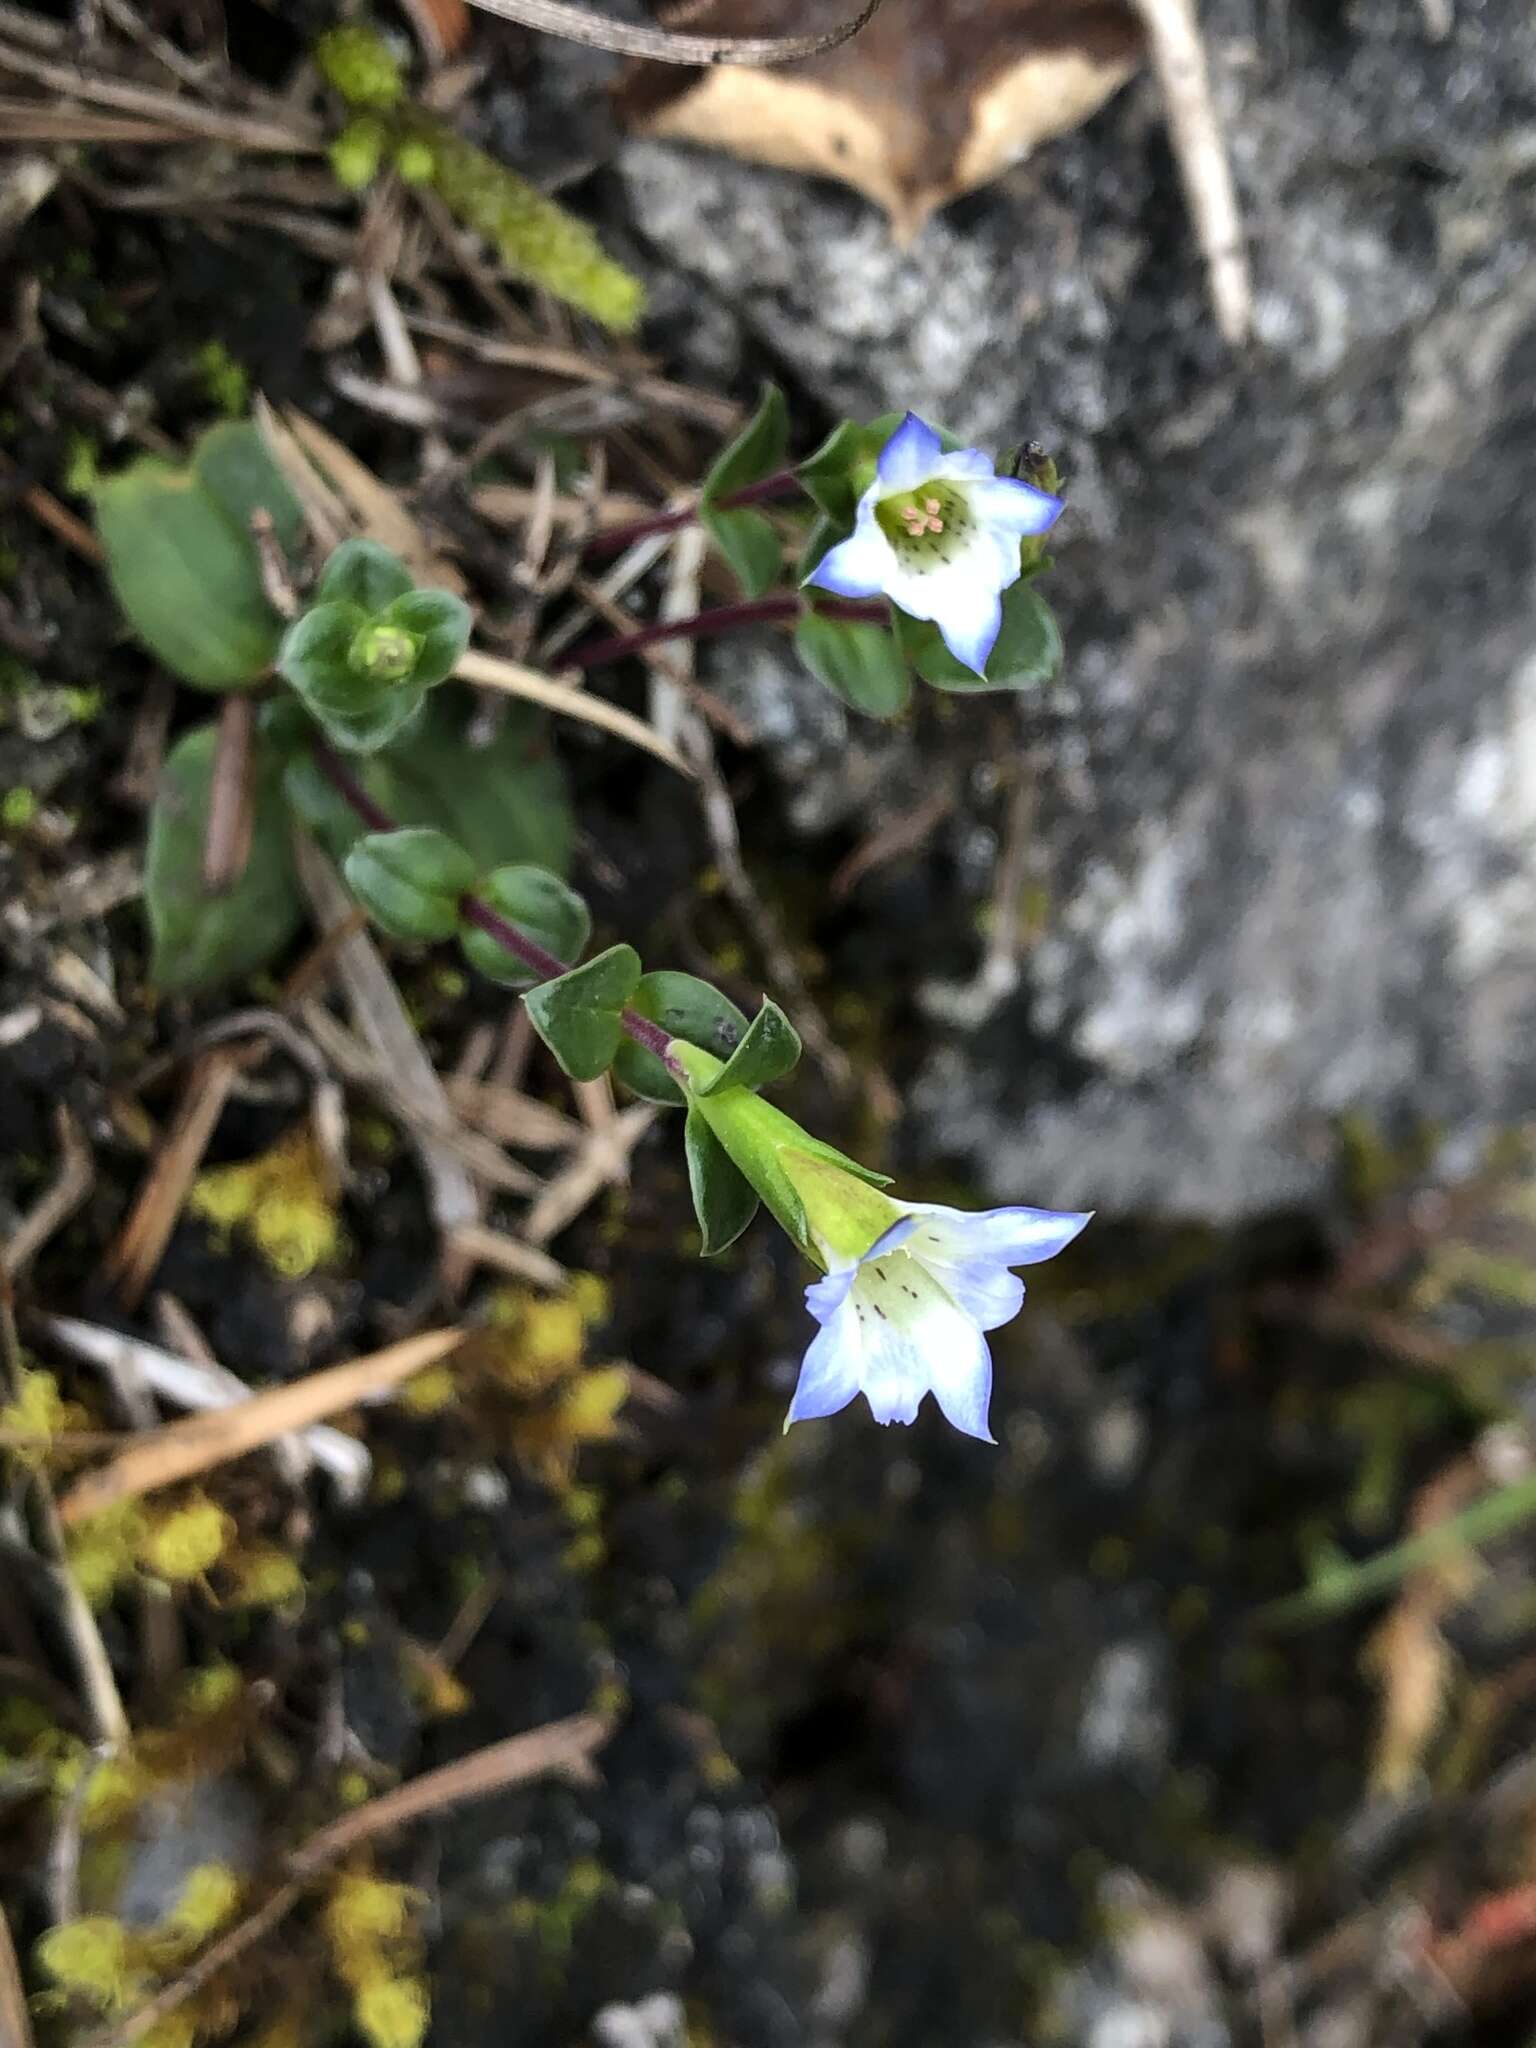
x,y
910,457
969,624
1013,1237
982,1289
913,1340
1016,507
825,1297
859,566
967,465
830,1376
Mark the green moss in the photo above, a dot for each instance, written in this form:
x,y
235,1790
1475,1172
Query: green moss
x,y
360,65
226,382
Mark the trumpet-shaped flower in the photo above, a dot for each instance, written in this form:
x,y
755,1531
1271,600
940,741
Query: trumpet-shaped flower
x,y
939,536
908,1316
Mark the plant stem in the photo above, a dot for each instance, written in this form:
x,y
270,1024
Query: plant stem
x,y
720,618
544,965
614,539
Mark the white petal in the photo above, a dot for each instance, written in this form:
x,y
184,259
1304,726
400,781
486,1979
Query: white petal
x,y
1018,508
911,456
1013,1237
966,464
830,1376
982,1289
915,1340
861,565
970,629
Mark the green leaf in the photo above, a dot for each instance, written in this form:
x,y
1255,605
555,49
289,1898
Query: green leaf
x,y
770,1050
506,802
183,564
441,622
684,1007
839,472
750,544
577,1016
411,881
201,941
749,541
724,1200
858,661
538,903
1028,651
363,573
757,451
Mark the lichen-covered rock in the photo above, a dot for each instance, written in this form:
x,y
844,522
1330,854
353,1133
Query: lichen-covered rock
x,y
1284,814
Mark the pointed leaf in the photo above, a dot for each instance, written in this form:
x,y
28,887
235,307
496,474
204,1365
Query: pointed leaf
x,y
749,541
538,903
770,1050
724,1200
684,1007
840,471
858,661
199,940
363,573
578,1014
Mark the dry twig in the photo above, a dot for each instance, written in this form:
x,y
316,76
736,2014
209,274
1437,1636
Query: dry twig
x,y
627,39
59,1200
198,1443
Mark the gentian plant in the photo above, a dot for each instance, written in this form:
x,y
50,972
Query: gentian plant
x,y
913,555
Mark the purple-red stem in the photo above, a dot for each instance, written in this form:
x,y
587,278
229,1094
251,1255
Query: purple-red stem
x,y
614,539
546,965
721,618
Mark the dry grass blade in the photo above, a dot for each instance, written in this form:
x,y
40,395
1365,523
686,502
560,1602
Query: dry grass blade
x,y
486,1247
376,510
198,1443
564,1747
493,673
15,2020
597,32
183,1382
603,1157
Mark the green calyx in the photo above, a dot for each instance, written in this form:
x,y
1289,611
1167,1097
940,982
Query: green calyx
x,y
384,653
777,1158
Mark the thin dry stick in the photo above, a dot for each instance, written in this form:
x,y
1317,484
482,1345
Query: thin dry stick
x,y
1178,57
577,25
103,1701
198,1443
564,1747
143,1238
231,797
235,130
57,1203
15,2020
725,835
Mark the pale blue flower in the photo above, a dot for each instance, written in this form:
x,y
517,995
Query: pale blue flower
x,y
939,536
908,1317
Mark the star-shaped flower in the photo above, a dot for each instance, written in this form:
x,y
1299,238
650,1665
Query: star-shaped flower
x,y
908,1316
939,536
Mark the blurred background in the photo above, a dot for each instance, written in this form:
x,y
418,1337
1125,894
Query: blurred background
x,y
1141,1730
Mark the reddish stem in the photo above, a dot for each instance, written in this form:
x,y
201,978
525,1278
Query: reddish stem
x,y
614,539
721,618
546,965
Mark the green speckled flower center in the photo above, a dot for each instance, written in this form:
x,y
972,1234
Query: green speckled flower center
x,y
927,526
385,654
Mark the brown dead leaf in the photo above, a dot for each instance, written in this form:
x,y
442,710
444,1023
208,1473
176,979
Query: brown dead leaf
x,y
934,98
198,1443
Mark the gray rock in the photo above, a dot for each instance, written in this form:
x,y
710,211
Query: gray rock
x,y
1285,802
